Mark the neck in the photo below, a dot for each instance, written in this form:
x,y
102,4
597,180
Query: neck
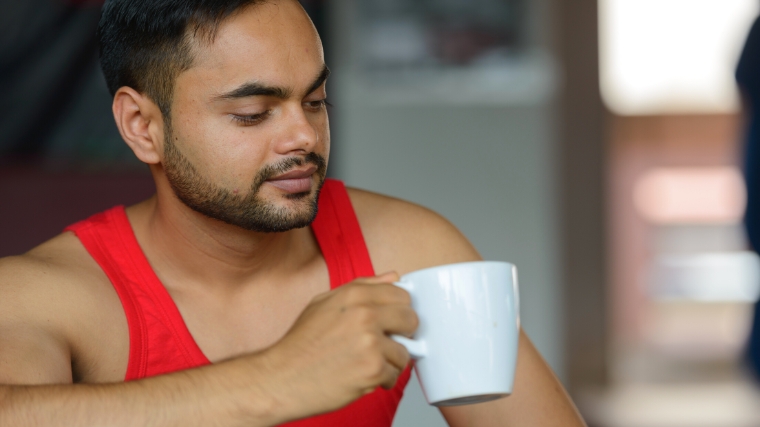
x,y
188,249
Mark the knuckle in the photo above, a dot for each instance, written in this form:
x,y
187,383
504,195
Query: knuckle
x,y
412,319
370,343
353,294
374,368
403,356
364,316
404,297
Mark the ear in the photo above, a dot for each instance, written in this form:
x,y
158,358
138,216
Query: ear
x,y
140,123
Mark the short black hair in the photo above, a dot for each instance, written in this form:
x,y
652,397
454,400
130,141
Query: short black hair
x,y
145,44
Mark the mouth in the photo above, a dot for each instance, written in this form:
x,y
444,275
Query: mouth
x,y
294,181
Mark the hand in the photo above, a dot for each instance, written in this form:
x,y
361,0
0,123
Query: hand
x,y
339,349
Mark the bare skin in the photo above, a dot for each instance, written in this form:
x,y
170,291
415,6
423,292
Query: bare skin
x,y
257,304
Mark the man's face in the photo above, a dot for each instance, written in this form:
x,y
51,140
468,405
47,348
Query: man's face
x,y
248,138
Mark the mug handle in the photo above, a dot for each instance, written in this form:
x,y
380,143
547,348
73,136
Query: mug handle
x,y
416,348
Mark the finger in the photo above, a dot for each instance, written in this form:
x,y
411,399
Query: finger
x,y
395,354
389,376
387,277
397,319
378,293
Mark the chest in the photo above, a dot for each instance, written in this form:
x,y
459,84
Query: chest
x,y
161,330
228,325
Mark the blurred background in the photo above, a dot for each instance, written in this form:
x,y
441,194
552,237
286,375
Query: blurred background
x,y
597,144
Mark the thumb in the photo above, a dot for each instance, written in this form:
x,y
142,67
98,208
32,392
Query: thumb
x,y
387,277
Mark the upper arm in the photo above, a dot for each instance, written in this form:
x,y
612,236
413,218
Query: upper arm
x,y
32,348
404,237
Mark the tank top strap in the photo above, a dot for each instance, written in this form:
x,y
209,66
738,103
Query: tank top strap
x,y
341,241
339,236
159,341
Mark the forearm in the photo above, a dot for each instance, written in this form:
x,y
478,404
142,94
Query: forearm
x,y
221,395
337,351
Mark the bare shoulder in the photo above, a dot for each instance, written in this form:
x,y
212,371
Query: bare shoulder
x,y
37,285
60,318
403,236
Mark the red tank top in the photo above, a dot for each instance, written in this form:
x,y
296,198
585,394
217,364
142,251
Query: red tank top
x,y
159,341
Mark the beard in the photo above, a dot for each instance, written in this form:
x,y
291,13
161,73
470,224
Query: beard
x,y
250,211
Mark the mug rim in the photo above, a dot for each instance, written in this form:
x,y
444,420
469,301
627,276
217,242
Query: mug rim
x,y
456,265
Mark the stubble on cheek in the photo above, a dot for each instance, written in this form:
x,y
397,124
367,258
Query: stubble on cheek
x,y
249,210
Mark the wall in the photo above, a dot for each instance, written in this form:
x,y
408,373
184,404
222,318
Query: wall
x,y
488,170
483,160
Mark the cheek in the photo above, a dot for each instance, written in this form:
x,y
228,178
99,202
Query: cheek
x,y
221,152
321,124
326,141
238,153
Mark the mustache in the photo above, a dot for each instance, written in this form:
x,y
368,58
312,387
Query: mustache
x,y
284,165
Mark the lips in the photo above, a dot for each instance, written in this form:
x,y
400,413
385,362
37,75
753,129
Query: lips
x,y
294,181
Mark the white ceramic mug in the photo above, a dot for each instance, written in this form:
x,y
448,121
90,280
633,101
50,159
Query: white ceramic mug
x,y
466,344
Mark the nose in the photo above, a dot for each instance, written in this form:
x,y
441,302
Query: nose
x,y
298,134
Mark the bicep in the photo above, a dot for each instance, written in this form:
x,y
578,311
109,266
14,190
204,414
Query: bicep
x,y
537,399
30,354
403,237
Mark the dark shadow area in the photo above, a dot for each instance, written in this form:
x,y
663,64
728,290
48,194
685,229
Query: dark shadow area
x,y
37,206
61,156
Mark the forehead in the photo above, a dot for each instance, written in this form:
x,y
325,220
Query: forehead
x,y
273,42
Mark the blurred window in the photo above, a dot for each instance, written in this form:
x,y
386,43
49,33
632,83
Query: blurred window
x,y
440,32
671,56
695,214
460,52
691,195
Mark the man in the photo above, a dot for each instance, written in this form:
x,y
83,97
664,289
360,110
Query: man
x,y
749,85
213,298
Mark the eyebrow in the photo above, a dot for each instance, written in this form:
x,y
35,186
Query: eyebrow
x,y
257,89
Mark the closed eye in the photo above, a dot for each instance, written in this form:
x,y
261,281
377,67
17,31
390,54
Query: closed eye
x,y
252,119
319,104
